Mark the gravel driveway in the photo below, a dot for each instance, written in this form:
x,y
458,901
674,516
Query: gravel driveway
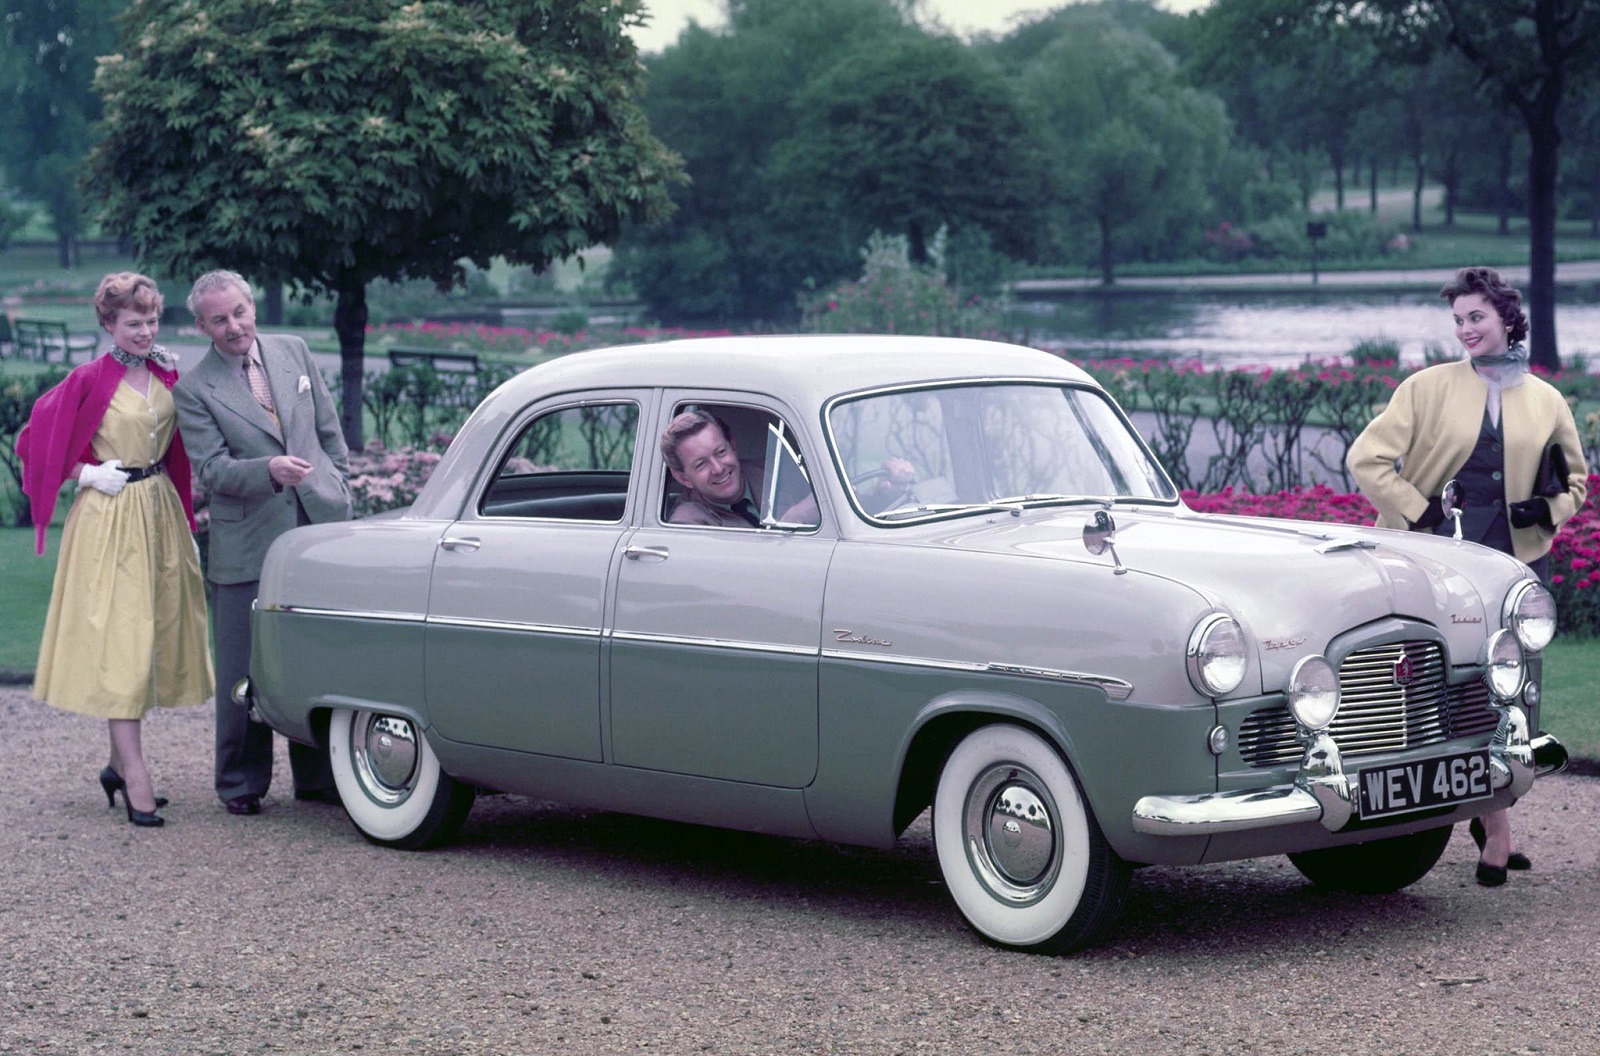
x,y
551,930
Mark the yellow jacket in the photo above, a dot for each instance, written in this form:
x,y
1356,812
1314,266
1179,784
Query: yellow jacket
x,y
1430,427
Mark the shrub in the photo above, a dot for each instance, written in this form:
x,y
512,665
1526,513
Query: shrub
x,y
896,296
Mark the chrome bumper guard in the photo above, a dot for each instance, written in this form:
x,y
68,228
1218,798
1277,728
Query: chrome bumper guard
x,y
1324,792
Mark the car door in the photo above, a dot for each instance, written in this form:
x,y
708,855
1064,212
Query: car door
x,y
716,633
515,613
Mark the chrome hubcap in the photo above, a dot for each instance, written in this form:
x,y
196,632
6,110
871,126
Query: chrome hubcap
x,y
1011,834
384,751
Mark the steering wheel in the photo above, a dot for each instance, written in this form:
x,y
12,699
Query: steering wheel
x,y
900,498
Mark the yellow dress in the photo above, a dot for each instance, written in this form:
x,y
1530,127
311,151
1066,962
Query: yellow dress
x,y
126,629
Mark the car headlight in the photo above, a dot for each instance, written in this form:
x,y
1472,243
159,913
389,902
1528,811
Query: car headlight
x,y
1216,655
1530,612
1504,669
1314,693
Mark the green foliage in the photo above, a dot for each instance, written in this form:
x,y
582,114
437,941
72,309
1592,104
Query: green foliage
x,y
1571,671
895,295
18,391
724,102
1132,146
333,145
891,137
47,64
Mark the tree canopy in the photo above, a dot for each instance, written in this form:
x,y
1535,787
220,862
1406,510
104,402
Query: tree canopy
x,y
47,103
330,145
1134,145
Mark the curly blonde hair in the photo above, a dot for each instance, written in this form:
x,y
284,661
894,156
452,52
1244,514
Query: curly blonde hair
x,y
124,290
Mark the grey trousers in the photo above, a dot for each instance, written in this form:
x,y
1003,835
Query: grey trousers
x,y
244,748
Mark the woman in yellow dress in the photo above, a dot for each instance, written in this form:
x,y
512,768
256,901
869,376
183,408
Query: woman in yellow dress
x,y
126,628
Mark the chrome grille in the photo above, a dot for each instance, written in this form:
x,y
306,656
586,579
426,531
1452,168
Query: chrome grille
x,y
1375,714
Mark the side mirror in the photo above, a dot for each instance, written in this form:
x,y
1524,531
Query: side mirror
x,y
1100,535
1450,500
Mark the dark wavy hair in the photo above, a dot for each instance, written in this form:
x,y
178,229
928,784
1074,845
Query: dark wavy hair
x,y
1506,298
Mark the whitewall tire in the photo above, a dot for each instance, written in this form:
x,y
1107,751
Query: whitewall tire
x,y
1019,847
390,781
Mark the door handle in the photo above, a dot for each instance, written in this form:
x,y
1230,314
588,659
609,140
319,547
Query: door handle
x,y
465,543
635,553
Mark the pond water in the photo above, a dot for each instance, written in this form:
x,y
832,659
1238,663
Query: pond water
x,y
1223,328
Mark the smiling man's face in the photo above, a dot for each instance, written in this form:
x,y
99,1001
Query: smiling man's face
x,y
710,466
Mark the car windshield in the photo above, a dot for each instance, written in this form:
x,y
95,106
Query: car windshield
x,y
943,450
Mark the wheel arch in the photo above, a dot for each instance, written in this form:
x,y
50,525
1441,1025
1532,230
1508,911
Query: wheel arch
x,y
941,725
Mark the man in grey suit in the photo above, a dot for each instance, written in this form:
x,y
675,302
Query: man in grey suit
x,y
265,444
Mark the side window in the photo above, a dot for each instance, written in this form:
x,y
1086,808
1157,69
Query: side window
x,y
570,464
739,467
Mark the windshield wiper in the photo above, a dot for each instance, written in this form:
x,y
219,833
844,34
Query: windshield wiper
x,y
1031,499
949,507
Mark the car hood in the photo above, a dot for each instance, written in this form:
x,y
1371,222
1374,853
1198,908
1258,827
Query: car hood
x,y
1294,586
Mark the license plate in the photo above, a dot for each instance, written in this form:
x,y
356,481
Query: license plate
x,y
1426,783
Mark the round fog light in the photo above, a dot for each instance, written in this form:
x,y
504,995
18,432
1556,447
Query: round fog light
x,y
1504,669
1313,693
1531,693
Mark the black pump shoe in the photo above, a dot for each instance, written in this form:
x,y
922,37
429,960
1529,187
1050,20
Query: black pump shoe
x,y
1491,875
113,783
149,819
1516,860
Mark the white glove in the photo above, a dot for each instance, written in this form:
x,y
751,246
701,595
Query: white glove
x,y
108,476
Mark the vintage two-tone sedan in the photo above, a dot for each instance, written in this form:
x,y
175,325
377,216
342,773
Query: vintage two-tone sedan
x,y
968,587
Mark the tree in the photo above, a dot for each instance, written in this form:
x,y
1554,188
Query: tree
x,y
47,102
334,144
1526,51
725,101
1132,143
890,138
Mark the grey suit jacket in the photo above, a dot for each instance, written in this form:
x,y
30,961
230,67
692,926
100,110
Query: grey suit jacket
x,y
230,438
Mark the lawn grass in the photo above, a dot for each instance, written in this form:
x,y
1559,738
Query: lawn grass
x,y
1571,681
26,580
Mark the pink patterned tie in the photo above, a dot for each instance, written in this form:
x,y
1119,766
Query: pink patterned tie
x,y
258,384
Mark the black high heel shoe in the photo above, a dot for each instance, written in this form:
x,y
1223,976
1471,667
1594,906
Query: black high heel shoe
x,y
149,819
1516,860
113,783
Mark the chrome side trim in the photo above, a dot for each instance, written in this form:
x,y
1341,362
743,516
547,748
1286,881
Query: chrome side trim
x,y
440,621
712,643
904,661
1115,688
510,625
349,614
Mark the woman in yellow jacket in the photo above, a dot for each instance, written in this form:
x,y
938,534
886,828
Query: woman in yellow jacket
x,y
1485,422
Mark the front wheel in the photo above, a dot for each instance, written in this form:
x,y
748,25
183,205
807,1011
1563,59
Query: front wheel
x,y
1377,866
390,781
1018,846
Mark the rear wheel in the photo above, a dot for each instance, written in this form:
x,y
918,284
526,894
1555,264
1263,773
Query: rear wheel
x,y
390,781
1377,866
1018,846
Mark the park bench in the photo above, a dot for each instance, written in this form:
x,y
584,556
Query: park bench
x,y
42,338
463,362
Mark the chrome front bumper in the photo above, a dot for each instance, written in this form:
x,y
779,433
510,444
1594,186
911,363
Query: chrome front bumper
x,y
1323,791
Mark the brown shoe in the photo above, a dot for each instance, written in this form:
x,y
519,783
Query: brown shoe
x,y
247,804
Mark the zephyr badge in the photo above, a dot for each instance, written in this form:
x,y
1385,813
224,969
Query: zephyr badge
x,y
1403,671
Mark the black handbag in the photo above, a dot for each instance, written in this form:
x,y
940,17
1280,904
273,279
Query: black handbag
x,y
1552,476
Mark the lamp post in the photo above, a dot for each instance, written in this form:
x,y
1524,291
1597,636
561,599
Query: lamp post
x,y
1315,230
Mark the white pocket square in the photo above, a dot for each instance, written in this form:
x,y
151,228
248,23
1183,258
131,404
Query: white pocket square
x,y
305,383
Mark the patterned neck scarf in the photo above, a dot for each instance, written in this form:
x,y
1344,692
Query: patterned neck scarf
x,y
158,355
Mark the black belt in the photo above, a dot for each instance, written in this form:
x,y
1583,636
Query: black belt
x,y
138,473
